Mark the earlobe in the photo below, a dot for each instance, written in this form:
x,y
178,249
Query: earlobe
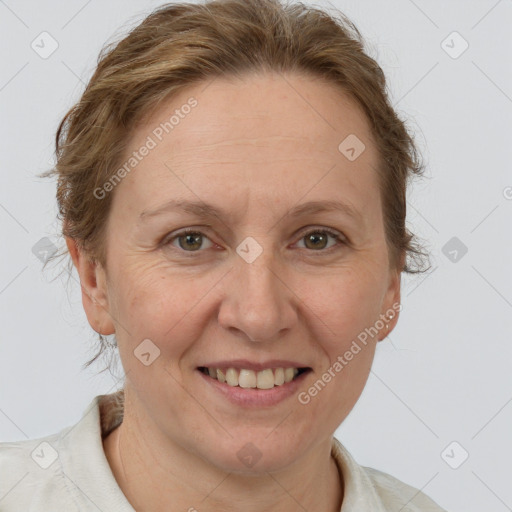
x,y
392,304
94,289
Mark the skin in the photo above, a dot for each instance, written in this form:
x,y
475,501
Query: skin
x,y
256,146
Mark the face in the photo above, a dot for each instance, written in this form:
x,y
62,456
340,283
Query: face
x,y
263,278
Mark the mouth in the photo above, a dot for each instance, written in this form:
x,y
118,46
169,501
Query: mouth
x,y
249,379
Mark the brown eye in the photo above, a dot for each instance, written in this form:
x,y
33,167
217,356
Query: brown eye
x,y
318,239
315,240
189,241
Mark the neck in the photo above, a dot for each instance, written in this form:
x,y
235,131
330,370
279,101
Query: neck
x,y
155,477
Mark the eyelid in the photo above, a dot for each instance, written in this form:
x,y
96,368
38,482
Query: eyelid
x,y
166,241
340,238
331,231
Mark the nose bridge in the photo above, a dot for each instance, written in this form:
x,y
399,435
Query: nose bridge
x,y
257,302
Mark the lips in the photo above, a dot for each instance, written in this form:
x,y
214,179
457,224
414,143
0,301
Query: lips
x,y
253,385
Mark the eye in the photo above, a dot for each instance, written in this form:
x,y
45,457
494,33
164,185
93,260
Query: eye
x,y
188,240
317,239
191,240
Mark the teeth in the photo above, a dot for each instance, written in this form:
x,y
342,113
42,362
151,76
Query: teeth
x,y
288,374
266,379
232,377
247,379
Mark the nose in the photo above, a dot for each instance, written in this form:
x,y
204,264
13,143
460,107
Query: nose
x,y
257,301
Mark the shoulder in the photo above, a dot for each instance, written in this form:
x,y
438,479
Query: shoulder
x,y
67,470
397,495
370,489
31,476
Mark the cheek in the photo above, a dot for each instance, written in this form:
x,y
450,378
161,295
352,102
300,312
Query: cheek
x,y
344,311
154,303
172,307
343,303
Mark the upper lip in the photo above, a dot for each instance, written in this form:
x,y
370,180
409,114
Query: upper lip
x,y
249,365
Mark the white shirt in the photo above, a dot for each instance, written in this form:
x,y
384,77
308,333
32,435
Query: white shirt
x,y
69,471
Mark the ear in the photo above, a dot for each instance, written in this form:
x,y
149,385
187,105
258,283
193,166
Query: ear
x,y
94,289
391,304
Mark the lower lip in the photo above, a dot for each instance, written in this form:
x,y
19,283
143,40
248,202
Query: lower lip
x,y
254,397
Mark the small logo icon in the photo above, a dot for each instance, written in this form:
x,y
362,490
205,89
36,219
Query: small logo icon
x,y
454,455
44,455
146,352
454,45
249,249
351,147
44,249
249,455
454,249
44,45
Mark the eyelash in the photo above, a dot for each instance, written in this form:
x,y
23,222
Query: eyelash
x,y
338,237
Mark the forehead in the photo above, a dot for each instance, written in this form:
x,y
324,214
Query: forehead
x,y
278,135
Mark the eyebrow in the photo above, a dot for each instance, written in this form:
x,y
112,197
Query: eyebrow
x,y
205,210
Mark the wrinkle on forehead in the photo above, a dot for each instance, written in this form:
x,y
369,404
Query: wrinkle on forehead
x,y
253,141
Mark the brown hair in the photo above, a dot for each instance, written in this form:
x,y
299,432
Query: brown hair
x,y
180,44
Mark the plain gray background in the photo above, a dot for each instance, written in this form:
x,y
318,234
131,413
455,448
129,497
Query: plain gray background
x,y
443,376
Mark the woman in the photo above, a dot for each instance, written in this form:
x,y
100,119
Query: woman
x,y
232,189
